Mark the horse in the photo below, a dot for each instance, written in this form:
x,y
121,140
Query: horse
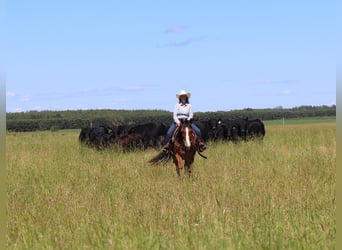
x,y
183,147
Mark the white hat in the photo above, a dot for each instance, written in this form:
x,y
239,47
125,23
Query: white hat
x,y
183,92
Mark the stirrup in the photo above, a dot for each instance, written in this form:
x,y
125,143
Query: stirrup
x,y
166,147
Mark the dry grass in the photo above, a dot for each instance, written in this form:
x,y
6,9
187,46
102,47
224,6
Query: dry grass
x,y
278,194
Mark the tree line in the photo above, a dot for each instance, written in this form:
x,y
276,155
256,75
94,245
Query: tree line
x,y
77,119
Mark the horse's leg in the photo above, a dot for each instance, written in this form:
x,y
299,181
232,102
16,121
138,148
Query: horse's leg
x,y
187,168
188,164
179,164
178,171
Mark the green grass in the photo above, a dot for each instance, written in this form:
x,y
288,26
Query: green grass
x,y
305,120
278,194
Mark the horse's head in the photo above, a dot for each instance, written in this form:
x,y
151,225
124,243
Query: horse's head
x,y
186,134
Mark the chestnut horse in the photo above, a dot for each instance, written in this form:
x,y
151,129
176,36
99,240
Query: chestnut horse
x,y
183,148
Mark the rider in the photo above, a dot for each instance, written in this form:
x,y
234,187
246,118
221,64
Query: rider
x,y
183,110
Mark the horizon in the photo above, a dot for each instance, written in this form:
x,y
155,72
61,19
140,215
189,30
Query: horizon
x,y
248,108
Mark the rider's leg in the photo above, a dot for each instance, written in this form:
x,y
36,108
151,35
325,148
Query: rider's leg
x,y
168,136
201,144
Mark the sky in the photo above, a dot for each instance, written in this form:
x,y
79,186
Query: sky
x,y
71,55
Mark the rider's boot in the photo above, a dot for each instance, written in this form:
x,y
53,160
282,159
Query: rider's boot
x,y
166,147
201,146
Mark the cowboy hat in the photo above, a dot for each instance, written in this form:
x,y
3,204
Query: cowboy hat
x,y
183,92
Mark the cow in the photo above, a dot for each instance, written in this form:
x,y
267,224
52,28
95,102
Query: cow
x,y
229,129
255,129
151,133
84,135
129,142
206,127
119,130
98,137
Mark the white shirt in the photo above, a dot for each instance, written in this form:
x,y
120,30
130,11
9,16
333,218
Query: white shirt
x,y
182,111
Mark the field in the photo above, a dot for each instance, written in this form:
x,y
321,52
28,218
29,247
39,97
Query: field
x,y
275,194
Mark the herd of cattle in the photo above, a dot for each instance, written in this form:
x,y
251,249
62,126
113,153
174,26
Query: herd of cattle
x,y
151,134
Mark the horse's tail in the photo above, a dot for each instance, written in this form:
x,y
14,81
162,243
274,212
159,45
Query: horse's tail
x,y
162,157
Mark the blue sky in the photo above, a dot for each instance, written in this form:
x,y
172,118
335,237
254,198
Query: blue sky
x,y
68,55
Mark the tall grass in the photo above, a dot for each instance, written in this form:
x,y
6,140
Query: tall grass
x,y
277,194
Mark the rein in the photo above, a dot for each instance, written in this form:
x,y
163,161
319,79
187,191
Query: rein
x,y
201,154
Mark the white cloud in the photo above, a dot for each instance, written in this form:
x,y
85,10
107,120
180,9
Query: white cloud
x,y
183,42
25,98
175,29
39,108
10,94
288,81
16,109
286,92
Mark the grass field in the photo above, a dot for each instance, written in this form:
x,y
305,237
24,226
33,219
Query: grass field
x,y
278,194
301,121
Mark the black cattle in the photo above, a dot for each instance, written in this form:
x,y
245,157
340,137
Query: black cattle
x,y
206,127
130,142
98,137
220,130
151,133
84,135
230,129
255,129
120,130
